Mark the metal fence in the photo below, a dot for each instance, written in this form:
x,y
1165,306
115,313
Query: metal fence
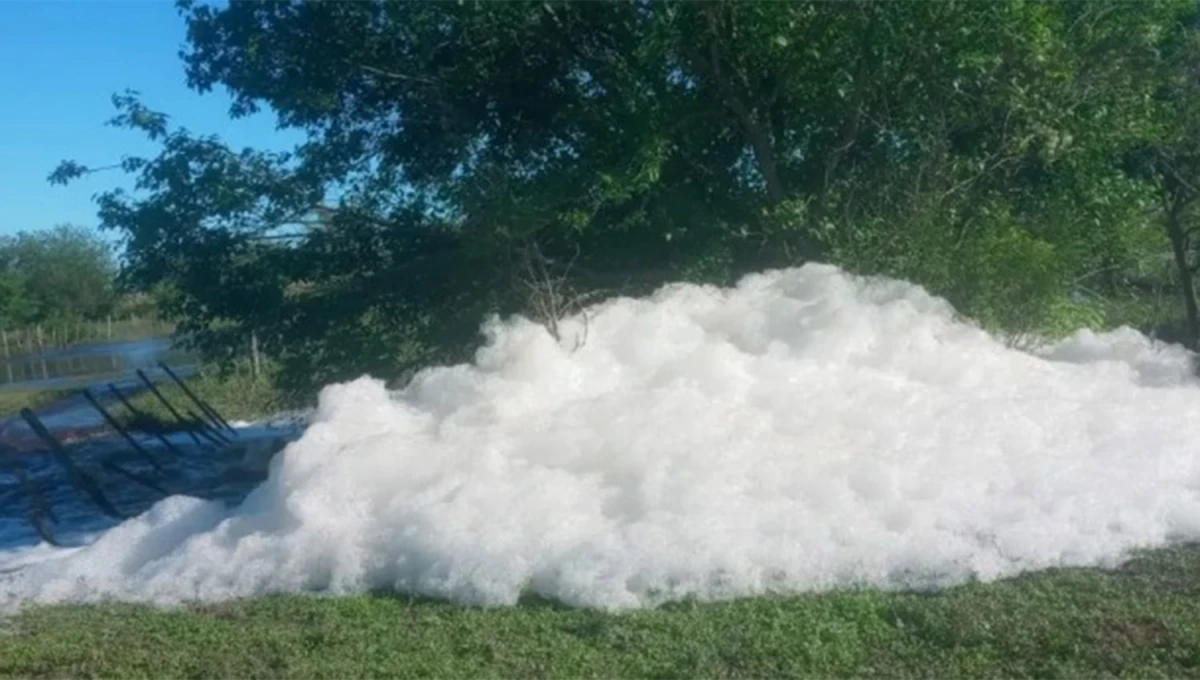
x,y
198,420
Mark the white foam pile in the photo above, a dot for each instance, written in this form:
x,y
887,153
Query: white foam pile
x,y
804,430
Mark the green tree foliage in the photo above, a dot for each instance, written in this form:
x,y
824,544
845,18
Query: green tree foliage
x,y
17,308
64,273
1168,154
972,147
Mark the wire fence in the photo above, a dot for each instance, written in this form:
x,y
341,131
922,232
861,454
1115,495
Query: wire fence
x,y
42,337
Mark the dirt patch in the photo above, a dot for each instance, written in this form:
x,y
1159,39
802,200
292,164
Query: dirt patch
x,y
1133,633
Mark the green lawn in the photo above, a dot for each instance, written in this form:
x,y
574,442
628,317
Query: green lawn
x,y
1142,620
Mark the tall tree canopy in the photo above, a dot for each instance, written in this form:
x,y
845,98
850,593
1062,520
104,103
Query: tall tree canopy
x,y
459,154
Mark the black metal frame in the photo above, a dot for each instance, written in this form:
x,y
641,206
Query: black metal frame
x,y
216,433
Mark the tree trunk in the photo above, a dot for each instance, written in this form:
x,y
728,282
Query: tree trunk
x,y
756,133
755,129
1180,246
764,155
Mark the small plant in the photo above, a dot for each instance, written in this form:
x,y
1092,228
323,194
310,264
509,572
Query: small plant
x,y
550,298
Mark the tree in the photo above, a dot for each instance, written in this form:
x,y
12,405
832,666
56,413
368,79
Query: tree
x,y
966,146
1169,153
17,308
64,273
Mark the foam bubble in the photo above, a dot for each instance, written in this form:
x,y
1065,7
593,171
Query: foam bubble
x,y
803,430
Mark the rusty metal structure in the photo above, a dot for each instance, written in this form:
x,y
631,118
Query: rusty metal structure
x,y
141,455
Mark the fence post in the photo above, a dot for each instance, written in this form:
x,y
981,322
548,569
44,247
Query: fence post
x,y
170,409
116,425
138,414
41,344
254,361
205,407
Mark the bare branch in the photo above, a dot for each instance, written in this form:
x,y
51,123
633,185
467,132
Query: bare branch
x,y
1178,178
987,169
550,298
392,75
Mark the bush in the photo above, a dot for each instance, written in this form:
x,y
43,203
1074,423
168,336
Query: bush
x,y
997,273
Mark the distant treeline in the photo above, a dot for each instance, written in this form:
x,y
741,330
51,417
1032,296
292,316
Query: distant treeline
x,y
60,286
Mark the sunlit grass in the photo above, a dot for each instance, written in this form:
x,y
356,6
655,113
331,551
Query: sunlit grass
x,y
12,401
1141,620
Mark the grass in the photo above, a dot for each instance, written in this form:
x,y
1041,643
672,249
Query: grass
x,y
12,401
1141,620
236,396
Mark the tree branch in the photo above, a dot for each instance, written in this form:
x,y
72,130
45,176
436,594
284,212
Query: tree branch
x,y
392,75
1177,177
760,141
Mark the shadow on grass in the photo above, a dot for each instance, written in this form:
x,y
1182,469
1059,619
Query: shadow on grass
x,y
528,600
1174,570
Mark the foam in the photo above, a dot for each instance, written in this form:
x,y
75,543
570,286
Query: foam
x,y
803,430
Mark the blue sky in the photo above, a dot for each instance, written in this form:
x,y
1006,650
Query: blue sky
x,y
60,63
